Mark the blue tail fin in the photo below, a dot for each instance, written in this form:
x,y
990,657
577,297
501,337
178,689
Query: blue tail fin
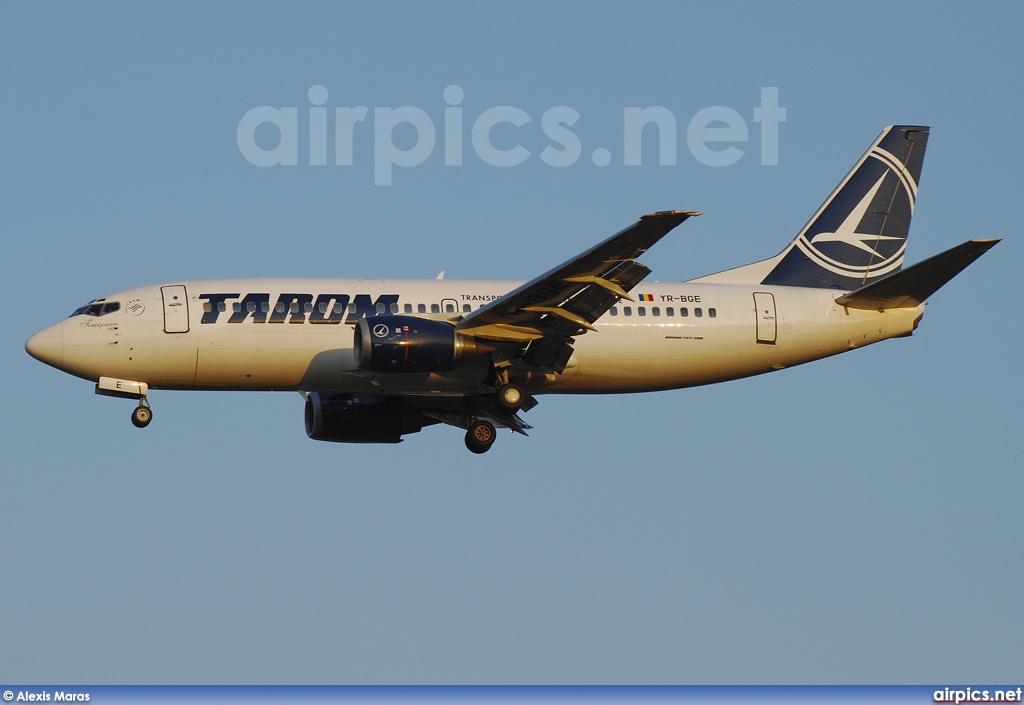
x,y
860,233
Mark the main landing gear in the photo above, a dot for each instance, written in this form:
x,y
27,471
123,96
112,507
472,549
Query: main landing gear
x,y
480,436
510,398
142,414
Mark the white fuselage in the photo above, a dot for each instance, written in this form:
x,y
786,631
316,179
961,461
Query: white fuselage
x,y
296,334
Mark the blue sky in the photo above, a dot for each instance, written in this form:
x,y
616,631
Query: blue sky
x,y
853,520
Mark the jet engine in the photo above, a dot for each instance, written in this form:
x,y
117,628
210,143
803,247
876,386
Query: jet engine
x,y
360,418
409,344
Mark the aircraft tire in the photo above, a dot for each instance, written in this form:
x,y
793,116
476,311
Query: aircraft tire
x,y
510,397
480,436
141,416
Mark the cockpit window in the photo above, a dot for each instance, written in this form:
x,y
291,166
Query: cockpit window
x,y
99,307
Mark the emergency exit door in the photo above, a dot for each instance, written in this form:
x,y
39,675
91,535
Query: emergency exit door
x,y
764,309
175,309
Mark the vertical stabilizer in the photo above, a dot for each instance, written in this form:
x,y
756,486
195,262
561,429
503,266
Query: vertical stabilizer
x,y
860,232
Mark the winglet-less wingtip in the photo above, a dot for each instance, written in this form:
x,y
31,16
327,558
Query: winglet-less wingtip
x,y
666,214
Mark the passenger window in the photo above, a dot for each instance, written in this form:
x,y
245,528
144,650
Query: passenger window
x,y
408,308
421,308
338,307
670,312
466,308
698,312
222,307
265,307
712,312
236,307
294,308
615,311
641,311
435,308
656,311
449,308
627,311
280,307
684,312
394,308
308,307
381,309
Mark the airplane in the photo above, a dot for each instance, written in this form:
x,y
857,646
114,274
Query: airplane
x,y
377,359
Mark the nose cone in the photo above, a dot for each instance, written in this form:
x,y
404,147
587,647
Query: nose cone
x,y
48,345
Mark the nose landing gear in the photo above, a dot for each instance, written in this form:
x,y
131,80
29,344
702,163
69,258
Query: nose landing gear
x,y
128,389
142,414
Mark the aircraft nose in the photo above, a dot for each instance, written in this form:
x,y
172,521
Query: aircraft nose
x,y
48,345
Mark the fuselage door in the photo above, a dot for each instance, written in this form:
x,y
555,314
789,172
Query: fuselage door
x,y
175,309
449,306
764,309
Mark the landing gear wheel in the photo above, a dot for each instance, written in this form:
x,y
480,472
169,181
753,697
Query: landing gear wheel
x,y
480,436
142,416
510,397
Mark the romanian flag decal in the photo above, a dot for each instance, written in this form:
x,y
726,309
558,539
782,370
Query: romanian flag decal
x,y
647,297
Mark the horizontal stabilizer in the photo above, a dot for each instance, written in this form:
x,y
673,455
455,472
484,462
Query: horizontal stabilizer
x,y
911,286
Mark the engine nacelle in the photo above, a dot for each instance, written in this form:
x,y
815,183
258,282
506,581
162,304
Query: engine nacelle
x,y
360,418
409,344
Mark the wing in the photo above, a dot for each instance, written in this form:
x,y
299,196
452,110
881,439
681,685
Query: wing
x,y
564,302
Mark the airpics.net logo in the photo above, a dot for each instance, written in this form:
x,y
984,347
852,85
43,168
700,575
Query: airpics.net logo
x,y
715,136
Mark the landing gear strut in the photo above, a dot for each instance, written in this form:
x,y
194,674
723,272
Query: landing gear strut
x,y
142,414
480,436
